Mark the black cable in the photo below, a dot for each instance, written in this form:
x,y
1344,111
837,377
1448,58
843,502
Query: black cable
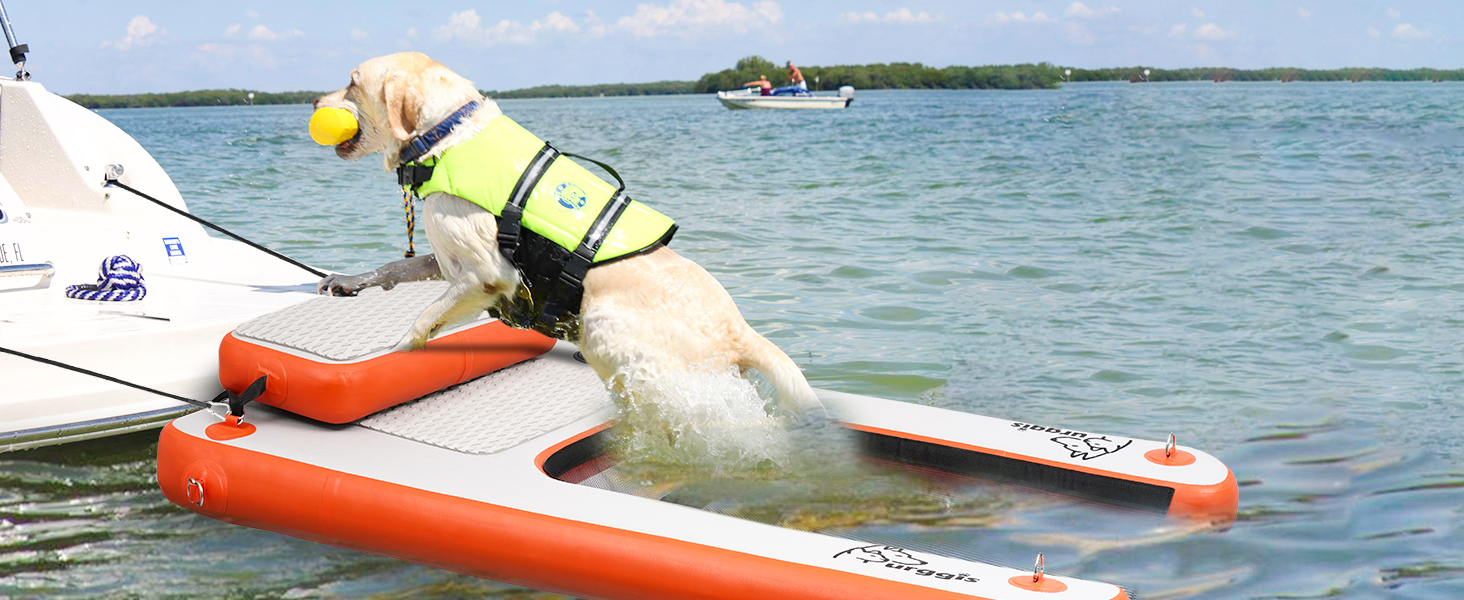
x,y
216,228
53,363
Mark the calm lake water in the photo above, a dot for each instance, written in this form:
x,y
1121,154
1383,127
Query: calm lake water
x,y
1274,273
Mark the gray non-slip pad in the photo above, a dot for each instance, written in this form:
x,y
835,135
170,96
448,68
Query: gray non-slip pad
x,y
343,328
499,410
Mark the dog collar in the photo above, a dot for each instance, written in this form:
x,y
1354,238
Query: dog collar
x,y
419,145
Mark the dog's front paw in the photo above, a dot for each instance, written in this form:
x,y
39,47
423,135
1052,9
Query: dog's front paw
x,y
421,332
341,285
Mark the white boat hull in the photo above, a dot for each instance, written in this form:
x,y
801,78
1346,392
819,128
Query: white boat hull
x,y
58,221
741,100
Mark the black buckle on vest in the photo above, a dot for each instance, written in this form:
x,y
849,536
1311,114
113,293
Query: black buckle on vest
x,y
573,274
413,176
568,290
509,224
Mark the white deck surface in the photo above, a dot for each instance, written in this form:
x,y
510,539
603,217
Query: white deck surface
x,y
499,410
345,328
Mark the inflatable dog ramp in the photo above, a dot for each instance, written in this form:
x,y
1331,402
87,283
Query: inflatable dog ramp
x,y
479,479
337,359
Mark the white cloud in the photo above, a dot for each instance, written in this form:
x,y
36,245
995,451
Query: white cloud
x,y
261,33
594,25
1082,11
1212,32
555,22
232,31
1393,12
1177,32
682,18
359,35
1302,12
411,32
686,18
1199,14
1406,31
1002,18
1373,31
251,13
1078,34
467,26
141,31
905,16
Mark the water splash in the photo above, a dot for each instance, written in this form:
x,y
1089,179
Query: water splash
x,y
704,421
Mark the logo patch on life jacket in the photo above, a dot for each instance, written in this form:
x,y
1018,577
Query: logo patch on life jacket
x,y
570,196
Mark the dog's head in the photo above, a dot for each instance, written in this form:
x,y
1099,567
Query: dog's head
x,y
394,98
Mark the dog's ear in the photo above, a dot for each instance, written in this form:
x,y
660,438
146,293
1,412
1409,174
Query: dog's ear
x,y
403,103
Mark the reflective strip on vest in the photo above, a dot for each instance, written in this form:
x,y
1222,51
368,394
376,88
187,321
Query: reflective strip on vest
x,y
564,204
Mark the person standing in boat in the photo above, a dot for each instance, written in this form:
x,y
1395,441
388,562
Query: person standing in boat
x,y
761,83
797,86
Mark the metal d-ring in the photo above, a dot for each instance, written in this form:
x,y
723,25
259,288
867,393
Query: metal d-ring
x,y
1039,568
194,482
1169,447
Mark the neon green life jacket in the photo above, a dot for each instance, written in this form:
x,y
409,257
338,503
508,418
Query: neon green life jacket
x,y
562,206
574,219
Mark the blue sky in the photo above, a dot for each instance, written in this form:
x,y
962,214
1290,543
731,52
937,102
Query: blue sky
x,y
157,45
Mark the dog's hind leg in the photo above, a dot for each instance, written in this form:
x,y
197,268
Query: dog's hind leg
x,y
459,304
794,393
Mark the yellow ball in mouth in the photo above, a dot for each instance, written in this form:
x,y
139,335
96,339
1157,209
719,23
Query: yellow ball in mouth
x,y
331,126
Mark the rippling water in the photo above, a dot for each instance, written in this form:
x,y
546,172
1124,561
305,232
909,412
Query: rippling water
x,y
1275,273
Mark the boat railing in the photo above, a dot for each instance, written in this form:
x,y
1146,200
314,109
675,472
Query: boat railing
x,y
25,276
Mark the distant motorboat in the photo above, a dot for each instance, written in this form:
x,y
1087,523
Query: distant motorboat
x,y
752,98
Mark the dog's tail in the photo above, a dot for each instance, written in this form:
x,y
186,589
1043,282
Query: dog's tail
x,y
794,393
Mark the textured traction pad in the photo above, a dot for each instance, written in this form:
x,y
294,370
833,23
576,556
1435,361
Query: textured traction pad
x,y
500,410
346,328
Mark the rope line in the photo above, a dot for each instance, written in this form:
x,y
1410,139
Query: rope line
x,y
231,234
53,363
411,211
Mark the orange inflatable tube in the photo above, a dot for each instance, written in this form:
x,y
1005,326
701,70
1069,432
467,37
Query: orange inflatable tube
x,y
344,392
259,490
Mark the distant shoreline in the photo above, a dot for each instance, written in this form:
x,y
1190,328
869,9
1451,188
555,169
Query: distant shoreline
x,y
864,77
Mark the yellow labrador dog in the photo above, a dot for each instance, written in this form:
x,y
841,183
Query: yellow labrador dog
x,y
651,315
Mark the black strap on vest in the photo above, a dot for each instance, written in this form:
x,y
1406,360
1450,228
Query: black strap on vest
x,y
569,287
511,221
602,166
413,176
